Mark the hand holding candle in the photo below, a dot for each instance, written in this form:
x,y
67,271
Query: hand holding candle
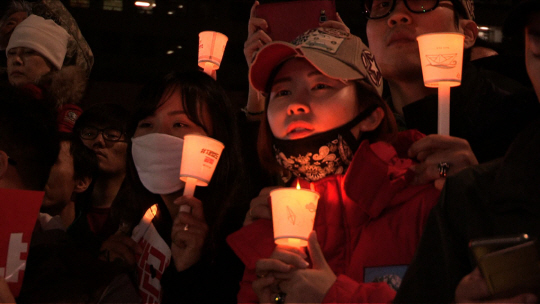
x,y
200,156
211,49
293,215
441,56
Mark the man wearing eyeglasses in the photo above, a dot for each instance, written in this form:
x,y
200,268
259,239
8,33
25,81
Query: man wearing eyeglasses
x,y
491,202
487,110
101,128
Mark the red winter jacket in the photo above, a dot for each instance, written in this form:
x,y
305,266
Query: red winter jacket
x,y
368,224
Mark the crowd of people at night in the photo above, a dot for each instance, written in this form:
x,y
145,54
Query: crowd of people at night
x,y
405,213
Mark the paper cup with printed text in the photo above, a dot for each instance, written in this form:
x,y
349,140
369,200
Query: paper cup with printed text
x,y
211,49
293,215
441,56
200,156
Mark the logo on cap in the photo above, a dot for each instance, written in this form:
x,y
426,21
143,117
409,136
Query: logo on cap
x,y
371,67
328,40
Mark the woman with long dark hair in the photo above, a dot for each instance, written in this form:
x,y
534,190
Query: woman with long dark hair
x,y
194,264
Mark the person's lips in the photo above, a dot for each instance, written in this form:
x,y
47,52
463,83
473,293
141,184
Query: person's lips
x,y
99,153
400,37
16,73
299,129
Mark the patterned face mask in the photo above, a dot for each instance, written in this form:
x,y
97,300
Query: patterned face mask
x,y
315,157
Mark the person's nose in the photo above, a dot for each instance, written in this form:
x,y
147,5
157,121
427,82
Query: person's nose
x,y
162,128
16,59
400,14
99,141
298,106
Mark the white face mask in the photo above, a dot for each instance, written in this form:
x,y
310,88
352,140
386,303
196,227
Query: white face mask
x,y
157,157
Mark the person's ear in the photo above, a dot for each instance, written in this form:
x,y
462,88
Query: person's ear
x,y
82,184
3,163
372,121
470,30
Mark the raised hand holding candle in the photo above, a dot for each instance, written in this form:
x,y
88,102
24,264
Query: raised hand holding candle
x,y
293,215
200,156
211,49
441,56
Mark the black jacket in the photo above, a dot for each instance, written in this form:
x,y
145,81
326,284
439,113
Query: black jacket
x,y
494,199
488,110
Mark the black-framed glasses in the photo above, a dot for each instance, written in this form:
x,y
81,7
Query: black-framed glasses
x,y
109,134
376,9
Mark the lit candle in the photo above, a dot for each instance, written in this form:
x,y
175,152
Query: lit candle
x,y
144,224
211,49
200,155
293,215
441,56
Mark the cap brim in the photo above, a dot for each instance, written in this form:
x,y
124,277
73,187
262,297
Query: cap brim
x,y
330,66
275,53
266,60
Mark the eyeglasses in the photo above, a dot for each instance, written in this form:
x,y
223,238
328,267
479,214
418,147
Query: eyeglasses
x,y
376,9
109,134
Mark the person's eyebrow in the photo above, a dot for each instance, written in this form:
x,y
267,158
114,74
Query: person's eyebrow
x,y
281,80
286,79
176,112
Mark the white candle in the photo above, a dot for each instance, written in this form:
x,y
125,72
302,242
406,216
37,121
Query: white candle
x,y
293,215
144,224
443,127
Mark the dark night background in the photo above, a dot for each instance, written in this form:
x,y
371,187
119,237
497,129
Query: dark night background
x,y
131,46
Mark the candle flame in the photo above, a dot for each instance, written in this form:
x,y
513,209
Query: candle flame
x,y
153,210
298,185
142,3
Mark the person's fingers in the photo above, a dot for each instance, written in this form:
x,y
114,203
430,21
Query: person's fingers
x,y
197,210
122,252
336,25
256,25
288,256
126,241
430,169
315,252
263,287
472,287
459,158
437,142
184,218
296,250
191,239
528,298
253,9
5,293
260,206
254,43
260,212
265,266
424,173
266,190
338,18
439,183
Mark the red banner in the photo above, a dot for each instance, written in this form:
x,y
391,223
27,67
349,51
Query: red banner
x,y
19,210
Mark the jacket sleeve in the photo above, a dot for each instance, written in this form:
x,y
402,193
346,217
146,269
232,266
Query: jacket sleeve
x,y
441,259
251,243
346,290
